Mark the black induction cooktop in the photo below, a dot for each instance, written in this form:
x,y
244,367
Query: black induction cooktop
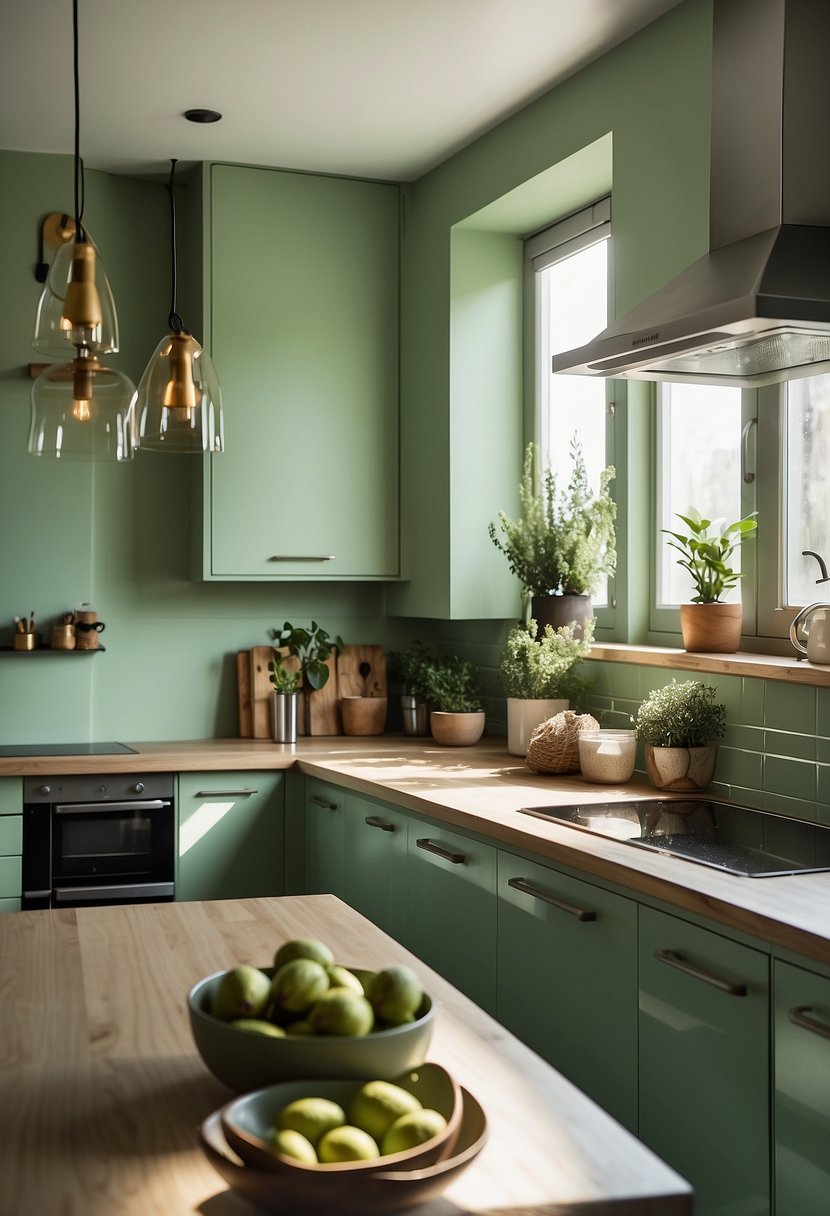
x,y
738,839
65,749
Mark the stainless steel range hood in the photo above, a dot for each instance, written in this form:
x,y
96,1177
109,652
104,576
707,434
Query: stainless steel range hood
x,y
756,308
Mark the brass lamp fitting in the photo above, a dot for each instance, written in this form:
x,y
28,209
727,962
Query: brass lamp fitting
x,y
180,391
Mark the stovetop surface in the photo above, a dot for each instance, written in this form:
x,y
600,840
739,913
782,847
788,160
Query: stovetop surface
x,y
66,749
738,839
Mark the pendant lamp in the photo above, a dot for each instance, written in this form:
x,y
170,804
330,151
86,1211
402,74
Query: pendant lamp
x,y
179,405
80,408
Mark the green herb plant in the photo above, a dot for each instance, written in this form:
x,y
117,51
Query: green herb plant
x,y
563,540
282,678
411,667
681,715
547,668
453,685
706,549
312,647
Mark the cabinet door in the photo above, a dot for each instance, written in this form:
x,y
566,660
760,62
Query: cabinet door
x,y
304,337
704,1062
802,1091
325,838
567,978
375,864
230,837
451,908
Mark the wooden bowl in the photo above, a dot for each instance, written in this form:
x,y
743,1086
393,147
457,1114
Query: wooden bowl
x,y
247,1120
245,1061
380,1194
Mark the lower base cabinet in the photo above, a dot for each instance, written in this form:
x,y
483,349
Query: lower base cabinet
x,y
376,863
11,843
801,1074
230,835
451,908
567,978
704,1062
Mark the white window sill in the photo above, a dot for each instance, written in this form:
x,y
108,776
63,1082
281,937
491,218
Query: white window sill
x,y
761,666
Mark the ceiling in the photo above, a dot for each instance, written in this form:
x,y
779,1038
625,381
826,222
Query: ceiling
x,y
375,88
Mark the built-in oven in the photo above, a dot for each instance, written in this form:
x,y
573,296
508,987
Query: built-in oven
x,y
105,839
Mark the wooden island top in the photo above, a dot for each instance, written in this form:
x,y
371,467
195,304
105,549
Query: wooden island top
x,y
103,1090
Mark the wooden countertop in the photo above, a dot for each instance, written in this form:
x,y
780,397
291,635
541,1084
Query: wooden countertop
x,y
102,1087
481,788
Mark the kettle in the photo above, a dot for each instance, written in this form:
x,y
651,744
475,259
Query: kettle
x,y
814,622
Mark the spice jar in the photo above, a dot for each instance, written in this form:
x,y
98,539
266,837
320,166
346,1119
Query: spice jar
x,y
607,756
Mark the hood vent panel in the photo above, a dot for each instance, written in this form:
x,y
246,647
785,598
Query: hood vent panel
x,y
755,309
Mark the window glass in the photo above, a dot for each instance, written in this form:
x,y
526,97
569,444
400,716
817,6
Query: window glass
x,y
699,465
806,486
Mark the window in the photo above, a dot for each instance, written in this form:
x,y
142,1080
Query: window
x,y
806,483
568,269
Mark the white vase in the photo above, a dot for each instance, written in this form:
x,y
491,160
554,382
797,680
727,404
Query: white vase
x,y
523,716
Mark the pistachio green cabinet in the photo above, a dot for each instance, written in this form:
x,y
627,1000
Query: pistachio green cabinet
x,y
324,823
802,1090
567,978
11,843
230,835
704,1094
375,863
304,334
451,907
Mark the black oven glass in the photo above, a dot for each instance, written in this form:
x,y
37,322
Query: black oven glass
x,y
116,843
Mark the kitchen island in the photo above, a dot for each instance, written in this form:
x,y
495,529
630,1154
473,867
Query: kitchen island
x,y
103,1090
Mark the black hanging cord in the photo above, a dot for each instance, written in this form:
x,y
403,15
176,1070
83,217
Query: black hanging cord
x,y
80,235
174,321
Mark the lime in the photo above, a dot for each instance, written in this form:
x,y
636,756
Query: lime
x,y
411,1130
311,1117
377,1105
346,1144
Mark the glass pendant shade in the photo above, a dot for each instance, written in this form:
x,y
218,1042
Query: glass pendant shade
x,y
179,403
76,307
82,410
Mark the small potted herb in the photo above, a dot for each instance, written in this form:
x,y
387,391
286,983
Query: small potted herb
x,y
287,682
680,725
709,624
540,678
411,667
453,687
313,647
563,540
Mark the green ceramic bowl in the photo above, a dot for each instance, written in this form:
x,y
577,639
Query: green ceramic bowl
x,y
245,1061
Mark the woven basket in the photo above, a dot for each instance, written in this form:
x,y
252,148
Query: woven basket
x,y
554,745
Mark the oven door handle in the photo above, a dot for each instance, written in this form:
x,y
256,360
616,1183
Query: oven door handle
x,y
147,890
146,804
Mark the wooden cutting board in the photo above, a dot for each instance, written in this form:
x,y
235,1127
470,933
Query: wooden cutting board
x,y
261,689
351,683
243,693
325,705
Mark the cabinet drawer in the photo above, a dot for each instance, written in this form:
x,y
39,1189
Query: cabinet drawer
x,y
10,880
11,835
802,1091
11,796
324,824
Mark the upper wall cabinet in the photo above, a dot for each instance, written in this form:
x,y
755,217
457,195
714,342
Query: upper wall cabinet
x,y
302,303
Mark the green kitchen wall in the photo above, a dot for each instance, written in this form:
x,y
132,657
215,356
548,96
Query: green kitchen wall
x,y
121,536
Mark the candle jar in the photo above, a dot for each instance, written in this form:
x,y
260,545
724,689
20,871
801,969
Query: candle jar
x,y
607,756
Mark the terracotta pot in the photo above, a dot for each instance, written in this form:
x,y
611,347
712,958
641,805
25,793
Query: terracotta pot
x,y
558,610
681,768
456,730
363,715
711,628
523,716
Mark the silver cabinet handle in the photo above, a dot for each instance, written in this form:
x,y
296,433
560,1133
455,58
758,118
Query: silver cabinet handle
x,y
302,557
798,1017
521,884
673,959
101,808
748,475
318,801
246,793
374,822
429,846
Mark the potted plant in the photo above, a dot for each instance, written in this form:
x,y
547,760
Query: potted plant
x,y
540,677
709,624
454,690
287,682
563,540
680,725
411,667
314,648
